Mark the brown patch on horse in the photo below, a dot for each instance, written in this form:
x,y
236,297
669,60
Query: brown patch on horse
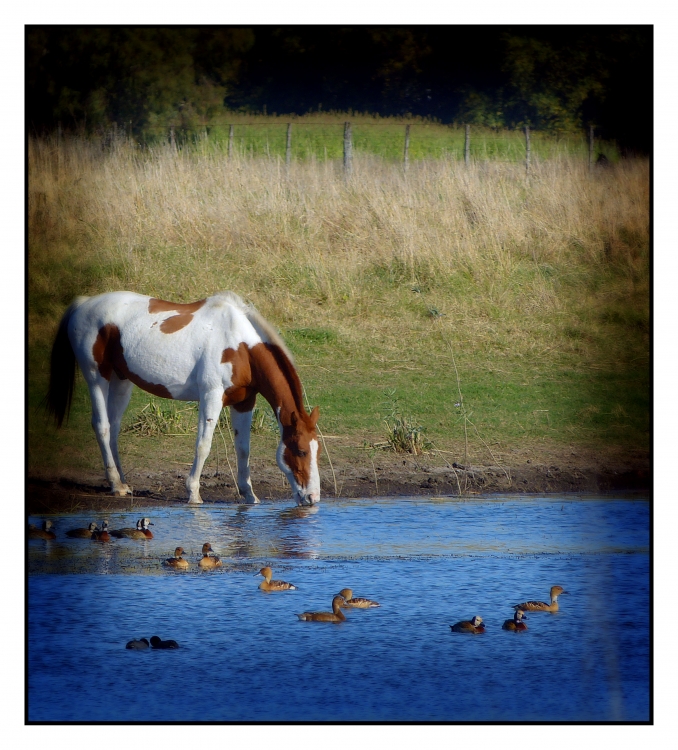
x,y
176,322
241,394
110,358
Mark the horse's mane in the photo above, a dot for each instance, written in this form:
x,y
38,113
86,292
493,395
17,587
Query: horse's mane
x,y
266,331
270,335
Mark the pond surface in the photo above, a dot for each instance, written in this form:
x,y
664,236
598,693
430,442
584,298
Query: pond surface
x,y
245,656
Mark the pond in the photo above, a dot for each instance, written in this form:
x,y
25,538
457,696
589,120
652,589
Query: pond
x,y
430,562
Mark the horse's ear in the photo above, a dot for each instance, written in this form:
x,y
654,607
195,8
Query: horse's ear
x,y
313,416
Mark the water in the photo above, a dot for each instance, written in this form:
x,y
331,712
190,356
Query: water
x,y
245,656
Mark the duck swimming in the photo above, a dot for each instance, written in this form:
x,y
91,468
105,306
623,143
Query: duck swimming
x,y
82,533
206,561
269,585
359,601
43,533
474,625
533,606
137,645
141,531
516,623
336,615
158,643
101,535
177,561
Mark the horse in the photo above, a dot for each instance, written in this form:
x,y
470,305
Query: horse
x,y
218,351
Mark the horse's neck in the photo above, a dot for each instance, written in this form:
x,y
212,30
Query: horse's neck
x,y
276,380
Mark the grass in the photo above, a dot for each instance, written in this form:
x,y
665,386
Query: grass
x,y
532,291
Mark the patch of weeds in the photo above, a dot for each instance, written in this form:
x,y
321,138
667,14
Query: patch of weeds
x,y
311,335
403,432
163,418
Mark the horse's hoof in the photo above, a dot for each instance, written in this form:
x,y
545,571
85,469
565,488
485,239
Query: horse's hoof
x,y
121,491
194,501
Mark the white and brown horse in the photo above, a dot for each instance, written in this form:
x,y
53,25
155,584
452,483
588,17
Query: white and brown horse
x,y
218,351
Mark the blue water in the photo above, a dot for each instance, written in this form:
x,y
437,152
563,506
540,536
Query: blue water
x,y
245,656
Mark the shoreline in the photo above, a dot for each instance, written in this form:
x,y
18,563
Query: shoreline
x,y
391,475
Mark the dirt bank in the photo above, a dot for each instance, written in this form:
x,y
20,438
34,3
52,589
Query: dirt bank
x,y
522,472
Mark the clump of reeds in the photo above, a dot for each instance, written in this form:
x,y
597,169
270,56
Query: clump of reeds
x,y
163,418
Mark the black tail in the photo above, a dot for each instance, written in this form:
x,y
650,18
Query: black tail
x,y
61,372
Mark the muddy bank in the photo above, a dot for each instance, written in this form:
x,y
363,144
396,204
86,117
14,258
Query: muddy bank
x,y
388,475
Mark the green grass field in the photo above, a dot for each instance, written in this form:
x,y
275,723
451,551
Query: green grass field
x,y
490,308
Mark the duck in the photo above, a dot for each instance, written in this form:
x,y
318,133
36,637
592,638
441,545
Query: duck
x,y
269,585
158,643
83,533
207,562
533,606
141,531
177,561
336,615
43,533
102,535
474,625
358,601
145,523
137,644
516,623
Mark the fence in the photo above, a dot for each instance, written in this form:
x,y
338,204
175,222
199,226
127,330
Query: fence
x,y
404,142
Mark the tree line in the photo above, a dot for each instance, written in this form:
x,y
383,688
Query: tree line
x,y
147,79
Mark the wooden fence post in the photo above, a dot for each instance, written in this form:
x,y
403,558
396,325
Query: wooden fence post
x,y
172,141
467,145
288,146
590,148
407,146
230,141
348,149
527,149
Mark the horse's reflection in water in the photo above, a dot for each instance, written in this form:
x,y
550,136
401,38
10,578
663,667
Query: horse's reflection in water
x,y
299,537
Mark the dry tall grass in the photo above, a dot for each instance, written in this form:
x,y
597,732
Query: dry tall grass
x,y
311,248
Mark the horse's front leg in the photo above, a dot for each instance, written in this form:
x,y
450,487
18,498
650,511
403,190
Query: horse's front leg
x,y
242,427
210,408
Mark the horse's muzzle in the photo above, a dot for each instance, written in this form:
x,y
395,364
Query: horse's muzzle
x,y
307,499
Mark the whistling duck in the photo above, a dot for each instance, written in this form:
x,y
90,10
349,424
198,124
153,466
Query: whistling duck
x,y
532,606
158,643
357,601
102,535
83,533
474,625
177,561
137,645
336,615
516,623
43,533
269,585
207,561
141,531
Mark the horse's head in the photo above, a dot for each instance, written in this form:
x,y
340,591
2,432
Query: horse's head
x,y
298,456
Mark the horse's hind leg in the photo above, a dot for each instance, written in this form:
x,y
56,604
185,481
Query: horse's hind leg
x,y
119,393
242,426
98,391
210,408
